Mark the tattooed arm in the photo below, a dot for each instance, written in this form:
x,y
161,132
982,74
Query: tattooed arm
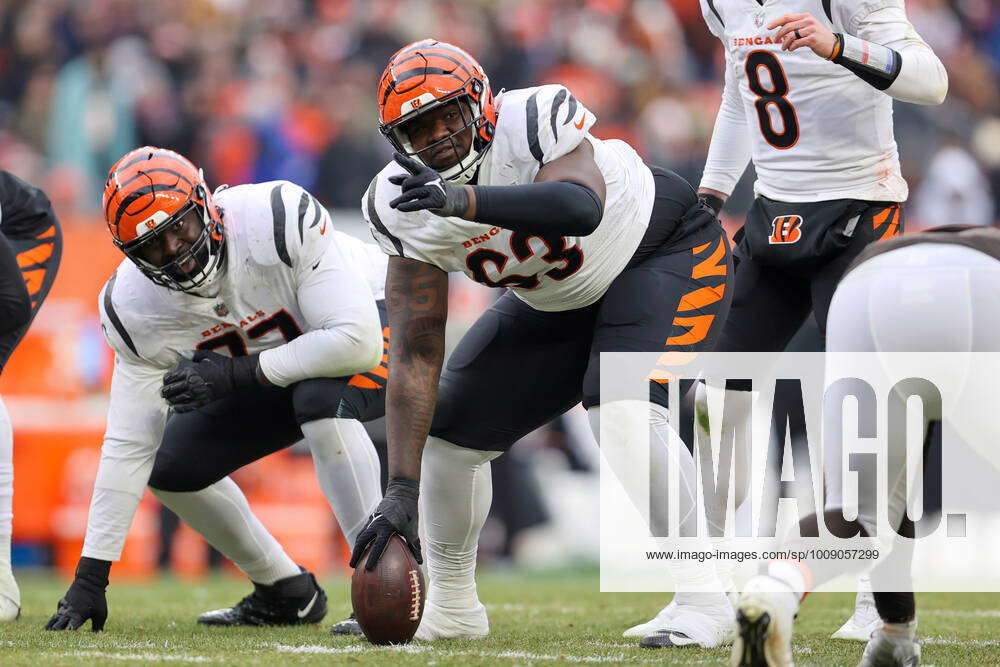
x,y
417,300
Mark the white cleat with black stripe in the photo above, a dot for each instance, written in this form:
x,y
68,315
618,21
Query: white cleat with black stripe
x,y
658,622
703,620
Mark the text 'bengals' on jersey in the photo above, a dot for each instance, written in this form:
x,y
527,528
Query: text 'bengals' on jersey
x,y
534,127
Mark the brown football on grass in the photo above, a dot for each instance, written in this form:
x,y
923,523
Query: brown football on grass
x,y
389,600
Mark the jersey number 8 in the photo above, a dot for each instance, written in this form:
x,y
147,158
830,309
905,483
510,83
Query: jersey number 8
x,y
789,134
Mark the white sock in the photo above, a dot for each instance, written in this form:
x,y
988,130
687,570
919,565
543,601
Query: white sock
x,y
6,485
220,513
348,470
456,490
696,583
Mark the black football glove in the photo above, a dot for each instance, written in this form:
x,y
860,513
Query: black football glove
x,y
208,377
85,598
395,515
424,189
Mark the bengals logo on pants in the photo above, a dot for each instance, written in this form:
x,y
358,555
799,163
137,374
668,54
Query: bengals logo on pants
x,y
786,229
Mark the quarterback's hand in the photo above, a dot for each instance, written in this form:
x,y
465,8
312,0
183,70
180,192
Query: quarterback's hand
x,y
85,598
395,515
208,377
798,30
424,189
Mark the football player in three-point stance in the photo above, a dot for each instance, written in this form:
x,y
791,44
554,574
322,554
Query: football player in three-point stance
x,y
600,253
242,322
808,98
30,250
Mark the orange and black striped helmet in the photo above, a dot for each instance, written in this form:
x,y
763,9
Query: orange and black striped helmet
x,y
151,190
424,75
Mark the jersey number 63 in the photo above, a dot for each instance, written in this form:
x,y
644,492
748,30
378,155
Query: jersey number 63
x,y
570,258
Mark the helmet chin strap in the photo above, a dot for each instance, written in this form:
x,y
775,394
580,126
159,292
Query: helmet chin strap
x,y
211,286
465,174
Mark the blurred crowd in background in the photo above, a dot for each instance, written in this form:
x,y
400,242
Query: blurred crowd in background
x,y
256,90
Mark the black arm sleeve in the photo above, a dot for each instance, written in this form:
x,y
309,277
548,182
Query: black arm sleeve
x,y
559,208
15,304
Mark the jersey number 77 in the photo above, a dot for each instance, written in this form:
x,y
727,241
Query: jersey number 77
x,y
776,96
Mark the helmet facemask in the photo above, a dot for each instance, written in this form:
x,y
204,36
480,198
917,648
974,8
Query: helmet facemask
x,y
205,251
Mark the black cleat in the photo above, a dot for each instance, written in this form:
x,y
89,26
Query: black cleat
x,y
749,646
348,626
290,601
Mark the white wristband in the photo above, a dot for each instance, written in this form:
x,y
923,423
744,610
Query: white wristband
x,y
875,57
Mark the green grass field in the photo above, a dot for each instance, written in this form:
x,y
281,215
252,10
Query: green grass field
x,y
536,619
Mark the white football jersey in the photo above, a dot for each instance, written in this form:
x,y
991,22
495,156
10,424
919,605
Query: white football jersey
x,y
819,132
289,276
276,233
534,127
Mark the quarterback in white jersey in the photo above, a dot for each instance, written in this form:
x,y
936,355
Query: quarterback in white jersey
x,y
808,98
600,252
241,323
814,123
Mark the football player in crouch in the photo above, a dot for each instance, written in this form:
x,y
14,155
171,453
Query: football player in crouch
x,y
242,322
30,250
949,276
808,98
600,253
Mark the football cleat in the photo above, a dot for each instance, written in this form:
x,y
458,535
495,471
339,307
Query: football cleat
x,y
705,625
863,623
441,623
10,596
764,618
892,649
348,626
658,622
293,600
